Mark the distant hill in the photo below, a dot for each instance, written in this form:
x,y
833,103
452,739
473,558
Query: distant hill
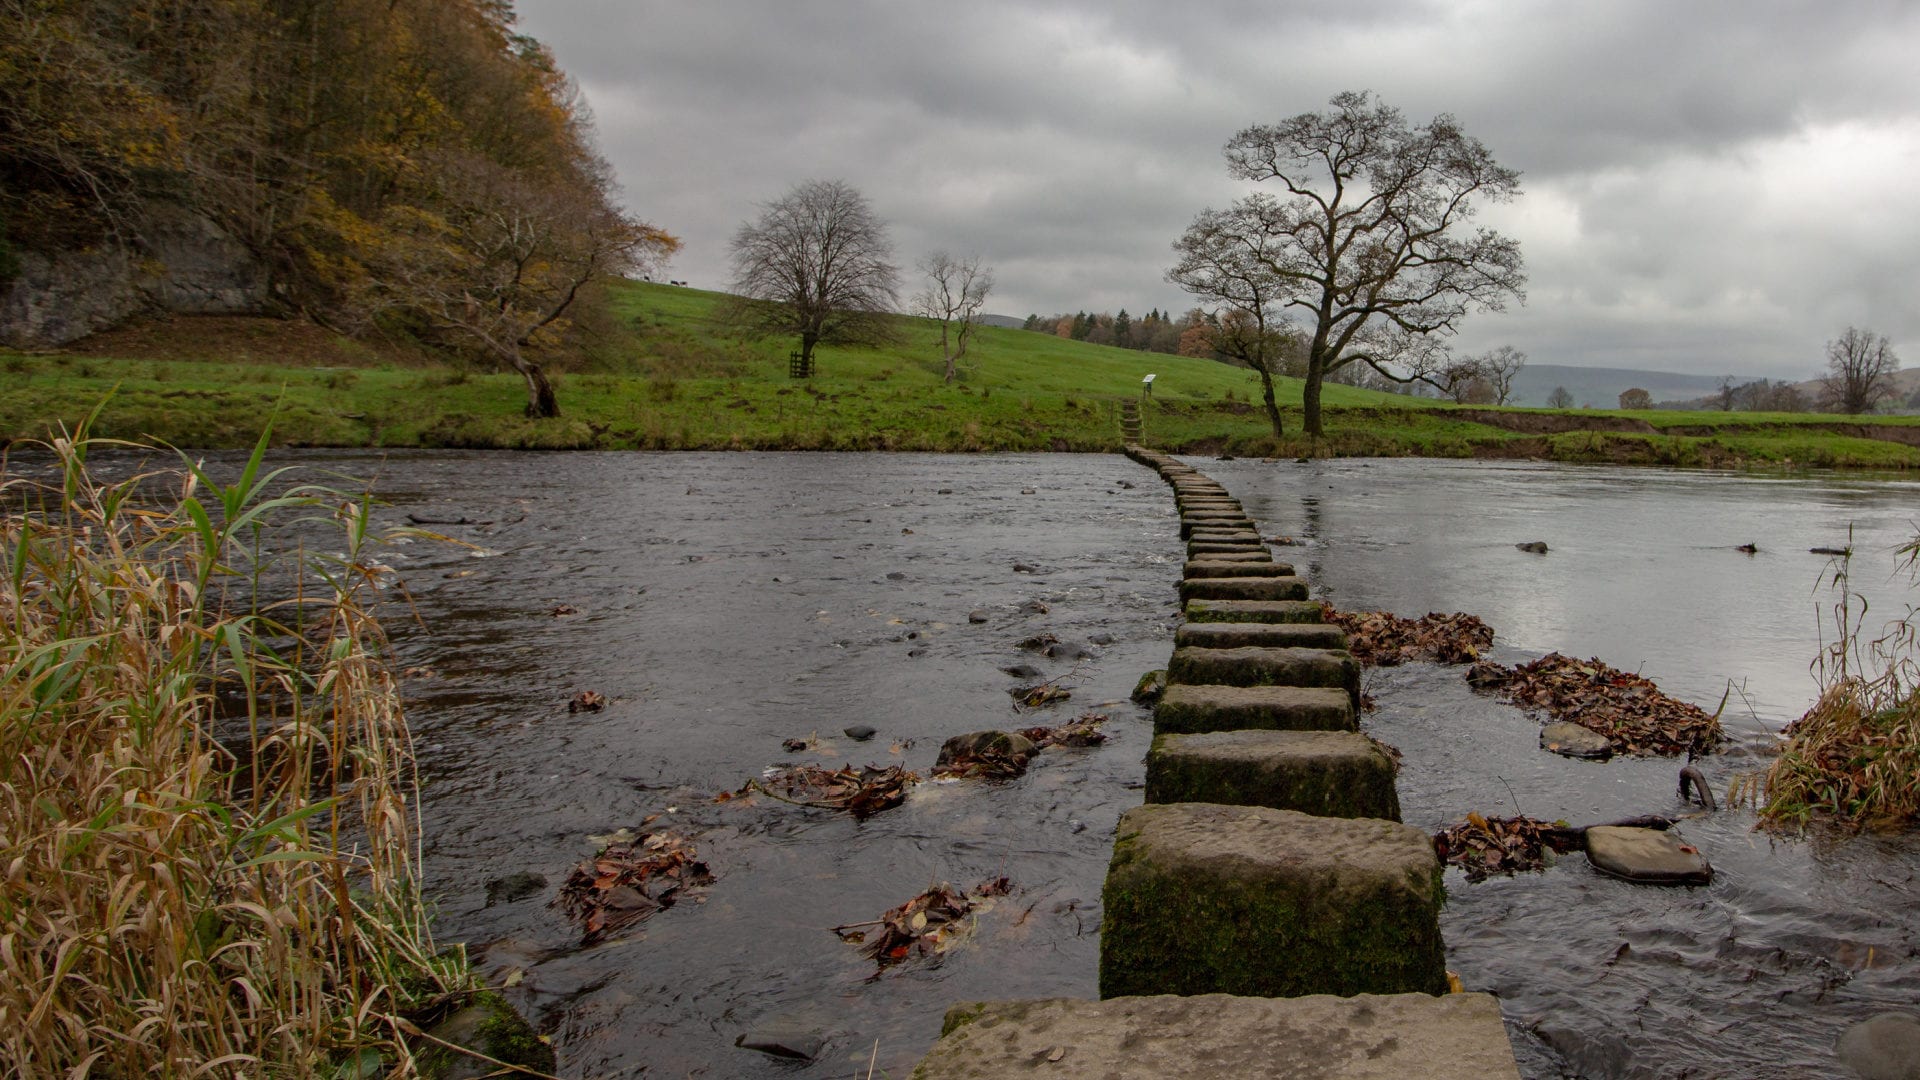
x,y
1602,387
1005,321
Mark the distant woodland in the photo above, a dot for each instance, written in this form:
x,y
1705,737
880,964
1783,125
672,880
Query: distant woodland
x,y
412,163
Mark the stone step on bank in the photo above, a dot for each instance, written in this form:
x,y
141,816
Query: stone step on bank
x,y
1266,871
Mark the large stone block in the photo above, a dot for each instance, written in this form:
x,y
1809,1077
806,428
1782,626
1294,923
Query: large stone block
x,y
1222,536
1254,666
1240,635
1202,899
1327,773
1266,611
1185,709
1221,568
1247,546
1244,588
1189,526
1246,553
1221,1037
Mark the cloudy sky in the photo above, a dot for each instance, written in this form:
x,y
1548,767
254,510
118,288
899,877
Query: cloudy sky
x,y
1710,187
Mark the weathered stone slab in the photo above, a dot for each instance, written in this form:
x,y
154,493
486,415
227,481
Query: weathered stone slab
x,y
1254,666
1220,535
1230,553
1227,568
1244,588
1646,856
1191,505
1202,898
1271,611
1571,740
1190,528
1884,1047
1230,513
1238,635
1320,1037
1326,773
1187,709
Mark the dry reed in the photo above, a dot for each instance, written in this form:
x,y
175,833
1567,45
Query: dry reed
x,y
1855,756
174,905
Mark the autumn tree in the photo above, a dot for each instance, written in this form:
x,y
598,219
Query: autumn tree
x,y
956,290
816,264
1636,398
1372,245
1860,370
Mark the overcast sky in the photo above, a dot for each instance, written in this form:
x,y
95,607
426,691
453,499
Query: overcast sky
x,y
1713,188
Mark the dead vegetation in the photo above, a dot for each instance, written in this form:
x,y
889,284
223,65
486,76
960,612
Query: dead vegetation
x,y
628,883
1383,639
1626,708
927,925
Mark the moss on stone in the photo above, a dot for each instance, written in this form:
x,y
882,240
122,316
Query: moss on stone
x,y
1328,773
1190,709
491,1026
1265,611
1268,903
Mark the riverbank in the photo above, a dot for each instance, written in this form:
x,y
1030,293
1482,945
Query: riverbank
x,y
668,377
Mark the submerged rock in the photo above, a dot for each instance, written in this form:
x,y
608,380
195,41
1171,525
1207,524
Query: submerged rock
x,y
491,1026
1538,547
793,1043
1886,1047
860,732
513,887
1646,856
1006,746
1571,740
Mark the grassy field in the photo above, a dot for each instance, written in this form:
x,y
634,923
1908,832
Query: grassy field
x,y
665,375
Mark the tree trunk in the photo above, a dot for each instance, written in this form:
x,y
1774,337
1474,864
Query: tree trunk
x,y
1273,408
807,342
947,350
541,403
1310,396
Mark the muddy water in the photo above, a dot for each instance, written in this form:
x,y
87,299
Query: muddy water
x,y
727,602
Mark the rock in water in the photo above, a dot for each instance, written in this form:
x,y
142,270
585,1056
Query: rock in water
x,y
1886,1047
986,744
1646,856
491,1026
797,1044
859,732
1538,547
1572,740
517,886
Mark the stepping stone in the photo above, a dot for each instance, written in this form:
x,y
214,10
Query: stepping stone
x,y
1571,740
1254,666
1250,537
1236,635
1230,513
1241,528
1189,505
1646,856
1189,709
1203,899
1244,588
1226,568
1366,1037
1326,773
1229,553
1267,611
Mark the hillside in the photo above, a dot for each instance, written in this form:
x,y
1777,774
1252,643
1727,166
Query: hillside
x,y
661,373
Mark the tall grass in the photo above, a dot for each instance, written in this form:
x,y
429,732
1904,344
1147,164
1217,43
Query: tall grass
x,y
206,800
1855,756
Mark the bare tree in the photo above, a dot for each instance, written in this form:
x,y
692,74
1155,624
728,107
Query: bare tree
x,y
1636,398
1372,243
498,259
1499,368
1561,398
1225,259
817,264
956,291
1860,367
1460,378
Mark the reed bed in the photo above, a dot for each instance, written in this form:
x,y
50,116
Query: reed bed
x,y
206,798
1855,756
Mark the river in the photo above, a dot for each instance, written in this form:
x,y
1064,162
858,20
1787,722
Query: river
x,y
724,603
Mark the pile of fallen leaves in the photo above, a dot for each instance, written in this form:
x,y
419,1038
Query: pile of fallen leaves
x,y
1383,639
1483,846
923,926
627,883
1082,732
1628,709
860,792
1033,697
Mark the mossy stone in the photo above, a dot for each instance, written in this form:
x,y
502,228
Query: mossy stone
x,y
1188,709
1256,666
1240,635
1202,898
1328,773
1265,611
1229,568
491,1026
1244,588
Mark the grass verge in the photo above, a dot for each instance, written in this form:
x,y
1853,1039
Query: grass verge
x,y
206,802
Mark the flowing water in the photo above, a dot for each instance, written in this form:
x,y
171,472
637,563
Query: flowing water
x,y
726,602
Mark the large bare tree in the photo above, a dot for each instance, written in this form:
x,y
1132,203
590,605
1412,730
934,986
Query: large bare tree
x,y
1860,367
817,264
1499,368
956,291
1373,246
